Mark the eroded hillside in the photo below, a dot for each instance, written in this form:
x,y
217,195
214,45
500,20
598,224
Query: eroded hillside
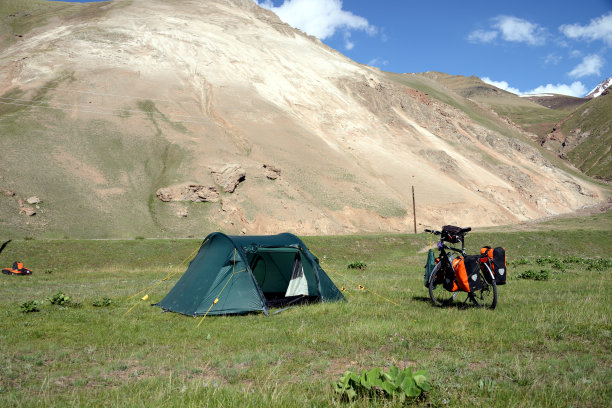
x,y
132,118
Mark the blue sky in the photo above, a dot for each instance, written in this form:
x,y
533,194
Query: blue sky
x,y
524,46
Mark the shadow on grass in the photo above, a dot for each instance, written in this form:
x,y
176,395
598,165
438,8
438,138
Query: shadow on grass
x,y
458,304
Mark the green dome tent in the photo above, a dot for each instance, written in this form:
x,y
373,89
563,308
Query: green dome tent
x,y
241,274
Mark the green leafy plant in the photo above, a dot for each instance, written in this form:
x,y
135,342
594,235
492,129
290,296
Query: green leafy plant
x,y
599,264
573,259
520,261
357,265
29,306
60,299
553,262
104,302
395,383
541,275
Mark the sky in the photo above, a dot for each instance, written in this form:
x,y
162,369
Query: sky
x,y
522,46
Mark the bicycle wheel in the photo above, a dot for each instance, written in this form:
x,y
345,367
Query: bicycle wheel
x,y
438,295
486,296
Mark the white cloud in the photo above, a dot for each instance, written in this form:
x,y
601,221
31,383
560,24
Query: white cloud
x,y
377,62
553,59
512,29
321,18
575,89
501,85
590,65
518,30
598,29
348,44
576,54
482,36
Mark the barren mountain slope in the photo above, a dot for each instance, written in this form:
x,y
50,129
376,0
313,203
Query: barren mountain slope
x,y
104,106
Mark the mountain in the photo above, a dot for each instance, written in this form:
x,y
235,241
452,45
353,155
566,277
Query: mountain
x,y
153,118
599,89
587,133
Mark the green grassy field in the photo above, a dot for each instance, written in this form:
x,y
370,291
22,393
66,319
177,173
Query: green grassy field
x,y
546,344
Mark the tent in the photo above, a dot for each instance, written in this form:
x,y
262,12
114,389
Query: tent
x,y
241,274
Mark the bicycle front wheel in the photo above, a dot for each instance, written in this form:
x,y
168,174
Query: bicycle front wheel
x,y
438,295
486,296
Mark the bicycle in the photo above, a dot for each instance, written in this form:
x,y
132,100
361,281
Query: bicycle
x,y
442,284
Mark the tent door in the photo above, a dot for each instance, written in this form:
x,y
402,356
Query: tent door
x,y
298,285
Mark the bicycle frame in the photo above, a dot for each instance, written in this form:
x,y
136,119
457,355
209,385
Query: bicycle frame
x,y
486,295
487,264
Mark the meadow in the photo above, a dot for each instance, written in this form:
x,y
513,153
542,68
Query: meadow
x,y
547,344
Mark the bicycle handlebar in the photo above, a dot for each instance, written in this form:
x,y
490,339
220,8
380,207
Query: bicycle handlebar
x,y
461,231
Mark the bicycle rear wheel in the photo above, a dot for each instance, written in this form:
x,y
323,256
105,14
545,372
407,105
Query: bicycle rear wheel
x,y
486,296
438,295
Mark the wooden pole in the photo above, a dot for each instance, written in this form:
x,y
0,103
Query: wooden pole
x,y
414,209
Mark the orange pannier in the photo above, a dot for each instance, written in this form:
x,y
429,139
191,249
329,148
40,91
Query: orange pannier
x,y
466,273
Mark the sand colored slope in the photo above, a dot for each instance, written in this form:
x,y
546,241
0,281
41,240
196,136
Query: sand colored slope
x,y
123,98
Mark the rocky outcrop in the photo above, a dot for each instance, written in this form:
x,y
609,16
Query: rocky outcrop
x,y
34,200
190,192
272,172
26,209
229,176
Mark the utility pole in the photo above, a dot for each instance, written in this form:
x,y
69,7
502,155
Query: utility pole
x,y
414,209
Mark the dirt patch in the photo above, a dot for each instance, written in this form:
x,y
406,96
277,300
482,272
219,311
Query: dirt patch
x,y
77,167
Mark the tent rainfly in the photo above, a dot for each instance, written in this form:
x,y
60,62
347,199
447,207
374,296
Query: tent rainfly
x,y
241,274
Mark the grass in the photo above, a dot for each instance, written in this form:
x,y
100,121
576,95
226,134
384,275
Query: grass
x,y
546,344
20,17
593,154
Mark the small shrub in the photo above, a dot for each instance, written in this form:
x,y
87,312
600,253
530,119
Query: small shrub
x,y
573,259
29,306
394,383
553,262
534,275
104,302
60,299
520,261
599,264
357,265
